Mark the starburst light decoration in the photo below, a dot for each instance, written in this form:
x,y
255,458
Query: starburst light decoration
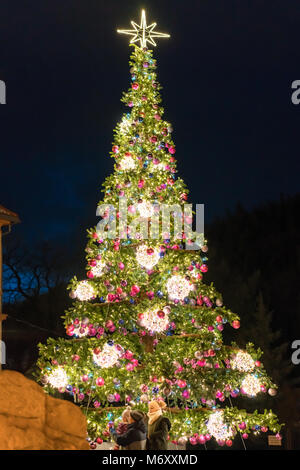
x,y
178,287
98,270
109,355
216,426
155,321
58,378
251,385
243,362
143,33
127,163
145,209
84,291
147,257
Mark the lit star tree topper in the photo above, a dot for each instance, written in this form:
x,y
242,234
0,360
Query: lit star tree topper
x,y
142,32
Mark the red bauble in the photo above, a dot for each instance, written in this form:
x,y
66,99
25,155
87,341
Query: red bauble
x,y
161,314
236,324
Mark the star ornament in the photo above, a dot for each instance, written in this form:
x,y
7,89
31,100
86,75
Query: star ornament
x,y
143,33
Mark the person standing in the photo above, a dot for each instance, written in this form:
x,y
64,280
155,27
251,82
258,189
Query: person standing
x,y
123,425
158,426
135,436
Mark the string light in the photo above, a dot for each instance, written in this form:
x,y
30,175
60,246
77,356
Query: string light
x,y
109,355
251,385
178,287
243,362
147,257
58,378
84,291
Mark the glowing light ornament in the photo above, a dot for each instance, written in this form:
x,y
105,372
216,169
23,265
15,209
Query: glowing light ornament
x,y
84,291
178,287
109,356
251,385
98,270
145,209
147,257
243,362
143,33
155,320
58,378
127,163
216,426
125,125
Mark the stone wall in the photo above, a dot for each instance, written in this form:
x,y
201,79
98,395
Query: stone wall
x,y
32,420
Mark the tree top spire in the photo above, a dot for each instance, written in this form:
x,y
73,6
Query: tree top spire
x,y
143,33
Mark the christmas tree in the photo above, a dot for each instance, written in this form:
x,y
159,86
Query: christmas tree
x,y
143,324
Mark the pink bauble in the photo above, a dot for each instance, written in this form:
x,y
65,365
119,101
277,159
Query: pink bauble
x,y
201,439
245,435
181,383
236,324
193,441
131,209
100,381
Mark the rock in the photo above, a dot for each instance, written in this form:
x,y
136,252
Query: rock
x,y
32,420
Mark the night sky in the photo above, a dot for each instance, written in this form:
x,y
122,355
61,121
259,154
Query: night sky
x,y
226,74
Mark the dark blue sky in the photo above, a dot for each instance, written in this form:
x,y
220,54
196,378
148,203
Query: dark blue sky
x,y
226,71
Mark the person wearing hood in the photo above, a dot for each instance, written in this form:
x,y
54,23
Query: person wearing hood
x,y
158,426
135,436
